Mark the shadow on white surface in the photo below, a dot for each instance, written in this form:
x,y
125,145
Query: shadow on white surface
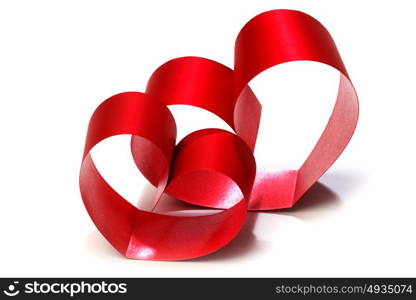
x,y
97,245
244,244
344,183
321,199
318,202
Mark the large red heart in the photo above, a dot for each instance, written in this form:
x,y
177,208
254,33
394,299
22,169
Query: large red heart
x,y
207,164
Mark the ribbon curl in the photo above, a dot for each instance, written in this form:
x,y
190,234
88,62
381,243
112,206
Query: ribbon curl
x,y
203,167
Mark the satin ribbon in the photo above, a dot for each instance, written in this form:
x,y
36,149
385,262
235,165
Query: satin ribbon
x,y
209,164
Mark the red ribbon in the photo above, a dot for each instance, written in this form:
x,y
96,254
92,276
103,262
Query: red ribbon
x,y
207,164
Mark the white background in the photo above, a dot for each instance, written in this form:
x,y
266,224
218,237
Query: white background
x,y
60,59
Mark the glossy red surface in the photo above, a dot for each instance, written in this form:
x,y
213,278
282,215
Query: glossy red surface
x,y
209,165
